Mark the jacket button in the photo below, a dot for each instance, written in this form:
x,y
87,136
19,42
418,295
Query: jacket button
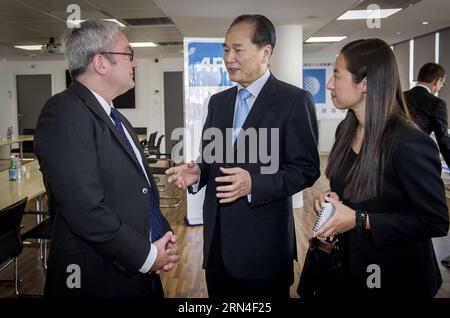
x,y
144,190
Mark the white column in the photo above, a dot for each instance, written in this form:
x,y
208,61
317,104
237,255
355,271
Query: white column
x,y
287,65
287,59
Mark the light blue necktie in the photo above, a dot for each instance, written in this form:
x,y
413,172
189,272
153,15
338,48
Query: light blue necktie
x,y
242,111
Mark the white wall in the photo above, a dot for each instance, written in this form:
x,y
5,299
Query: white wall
x,y
149,91
327,121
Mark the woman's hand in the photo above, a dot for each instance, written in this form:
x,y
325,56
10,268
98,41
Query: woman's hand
x,y
321,199
342,221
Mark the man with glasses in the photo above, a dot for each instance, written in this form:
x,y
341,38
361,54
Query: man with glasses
x,y
429,111
109,236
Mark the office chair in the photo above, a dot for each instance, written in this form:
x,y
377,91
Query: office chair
x,y
41,232
10,240
176,201
152,139
140,130
27,146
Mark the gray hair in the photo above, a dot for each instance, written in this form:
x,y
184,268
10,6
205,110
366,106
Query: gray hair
x,y
83,42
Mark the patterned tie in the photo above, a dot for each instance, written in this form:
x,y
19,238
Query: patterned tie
x,y
157,221
242,110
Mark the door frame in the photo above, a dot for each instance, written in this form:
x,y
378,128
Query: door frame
x,y
162,118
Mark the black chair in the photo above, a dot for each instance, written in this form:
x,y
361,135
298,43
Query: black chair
x,y
156,150
41,232
140,130
10,240
27,146
149,144
152,139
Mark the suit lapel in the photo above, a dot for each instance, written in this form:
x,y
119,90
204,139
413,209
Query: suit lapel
x,y
227,112
228,108
260,106
89,99
128,126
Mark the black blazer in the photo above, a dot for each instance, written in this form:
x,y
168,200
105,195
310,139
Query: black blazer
x,y
430,114
101,210
259,238
410,209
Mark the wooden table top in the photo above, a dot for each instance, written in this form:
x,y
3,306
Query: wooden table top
x,y
30,185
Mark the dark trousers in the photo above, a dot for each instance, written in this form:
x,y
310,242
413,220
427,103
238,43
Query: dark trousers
x,y
221,284
155,289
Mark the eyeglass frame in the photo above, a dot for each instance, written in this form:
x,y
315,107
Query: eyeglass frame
x,y
130,54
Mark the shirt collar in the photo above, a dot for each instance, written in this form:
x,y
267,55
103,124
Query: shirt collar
x,y
424,86
103,103
256,87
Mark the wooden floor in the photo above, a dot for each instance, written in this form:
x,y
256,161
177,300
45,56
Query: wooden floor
x,y
187,278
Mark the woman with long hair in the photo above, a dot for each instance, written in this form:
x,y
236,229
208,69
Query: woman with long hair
x,y
385,181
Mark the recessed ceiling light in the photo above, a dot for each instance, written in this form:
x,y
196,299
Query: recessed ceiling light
x,y
425,22
29,47
322,39
77,22
398,33
143,44
368,14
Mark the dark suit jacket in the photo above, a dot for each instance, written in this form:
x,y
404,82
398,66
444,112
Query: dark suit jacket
x,y
430,114
258,238
410,209
101,210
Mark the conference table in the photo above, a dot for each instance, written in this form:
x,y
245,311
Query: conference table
x,y
19,140
30,185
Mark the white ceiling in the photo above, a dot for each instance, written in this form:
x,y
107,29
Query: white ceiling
x,y
35,21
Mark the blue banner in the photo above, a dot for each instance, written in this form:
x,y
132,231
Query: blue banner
x,y
206,66
314,82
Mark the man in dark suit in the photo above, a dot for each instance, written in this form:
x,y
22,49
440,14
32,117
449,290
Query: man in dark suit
x,y
249,236
429,111
109,237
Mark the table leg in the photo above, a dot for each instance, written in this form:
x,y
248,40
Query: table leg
x,y
38,220
21,152
446,261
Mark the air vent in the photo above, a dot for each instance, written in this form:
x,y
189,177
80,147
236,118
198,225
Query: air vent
x,y
149,21
169,43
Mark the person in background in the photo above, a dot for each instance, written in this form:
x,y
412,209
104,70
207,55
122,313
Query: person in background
x,y
249,236
109,237
387,174
429,111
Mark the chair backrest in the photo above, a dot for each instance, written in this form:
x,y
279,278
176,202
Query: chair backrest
x,y
158,144
10,241
152,138
28,146
28,131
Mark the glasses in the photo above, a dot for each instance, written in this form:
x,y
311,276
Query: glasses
x,y
130,54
